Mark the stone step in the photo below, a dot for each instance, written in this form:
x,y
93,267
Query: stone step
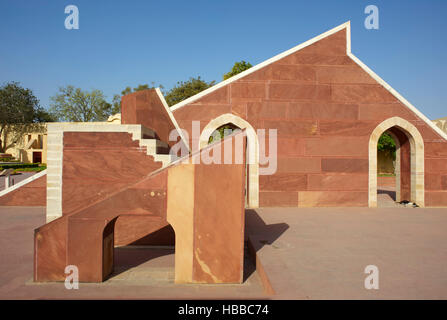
x,y
154,146
141,132
166,159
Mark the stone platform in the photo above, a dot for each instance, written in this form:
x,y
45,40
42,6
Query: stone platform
x,y
315,253
321,253
140,272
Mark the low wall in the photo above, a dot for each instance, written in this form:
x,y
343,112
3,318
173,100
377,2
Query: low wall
x,y
30,194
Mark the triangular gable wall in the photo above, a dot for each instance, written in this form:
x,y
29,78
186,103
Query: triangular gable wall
x,y
345,26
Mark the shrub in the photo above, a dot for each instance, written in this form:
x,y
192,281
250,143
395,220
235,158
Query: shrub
x,y
18,165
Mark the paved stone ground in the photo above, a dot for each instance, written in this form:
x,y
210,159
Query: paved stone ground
x,y
315,253
140,273
386,197
321,253
16,177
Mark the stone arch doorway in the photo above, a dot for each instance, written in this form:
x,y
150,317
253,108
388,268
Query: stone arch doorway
x,y
252,151
117,259
409,161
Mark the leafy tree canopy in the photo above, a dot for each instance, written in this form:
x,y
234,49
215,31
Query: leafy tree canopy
x,y
183,90
222,132
19,112
74,104
386,144
237,68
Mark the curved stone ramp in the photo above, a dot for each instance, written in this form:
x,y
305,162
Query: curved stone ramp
x,y
28,192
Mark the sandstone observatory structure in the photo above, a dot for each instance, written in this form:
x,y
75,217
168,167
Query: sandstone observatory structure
x,y
329,110
326,111
203,203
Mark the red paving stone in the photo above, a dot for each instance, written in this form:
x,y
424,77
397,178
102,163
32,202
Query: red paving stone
x,y
140,272
311,253
321,253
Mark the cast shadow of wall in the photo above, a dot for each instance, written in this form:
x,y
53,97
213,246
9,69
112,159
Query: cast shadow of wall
x,y
390,193
154,245
259,234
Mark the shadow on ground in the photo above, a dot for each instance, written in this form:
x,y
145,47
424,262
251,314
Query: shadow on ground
x,y
259,234
128,257
390,193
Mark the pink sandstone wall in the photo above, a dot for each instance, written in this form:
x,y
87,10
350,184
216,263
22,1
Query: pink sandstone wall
x,y
52,239
325,108
31,194
99,164
144,107
386,181
215,253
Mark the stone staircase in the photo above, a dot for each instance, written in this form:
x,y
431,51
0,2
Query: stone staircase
x,y
148,143
154,147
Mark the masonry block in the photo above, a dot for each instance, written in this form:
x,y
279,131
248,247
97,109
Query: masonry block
x,y
436,165
292,129
247,90
283,182
359,93
302,165
278,199
344,165
436,198
220,96
287,91
306,110
297,73
289,147
332,199
197,112
266,110
347,128
337,145
331,182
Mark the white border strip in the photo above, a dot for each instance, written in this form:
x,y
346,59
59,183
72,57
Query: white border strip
x,y
23,182
171,116
262,65
398,96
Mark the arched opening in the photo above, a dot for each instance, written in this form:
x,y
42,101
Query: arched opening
x,y
148,258
409,161
388,168
222,131
216,128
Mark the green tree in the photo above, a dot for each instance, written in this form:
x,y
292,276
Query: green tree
x,y
116,104
386,144
183,90
74,104
20,112
222,132
237,68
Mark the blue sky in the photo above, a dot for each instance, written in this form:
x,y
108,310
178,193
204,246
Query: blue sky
x,y
125,43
